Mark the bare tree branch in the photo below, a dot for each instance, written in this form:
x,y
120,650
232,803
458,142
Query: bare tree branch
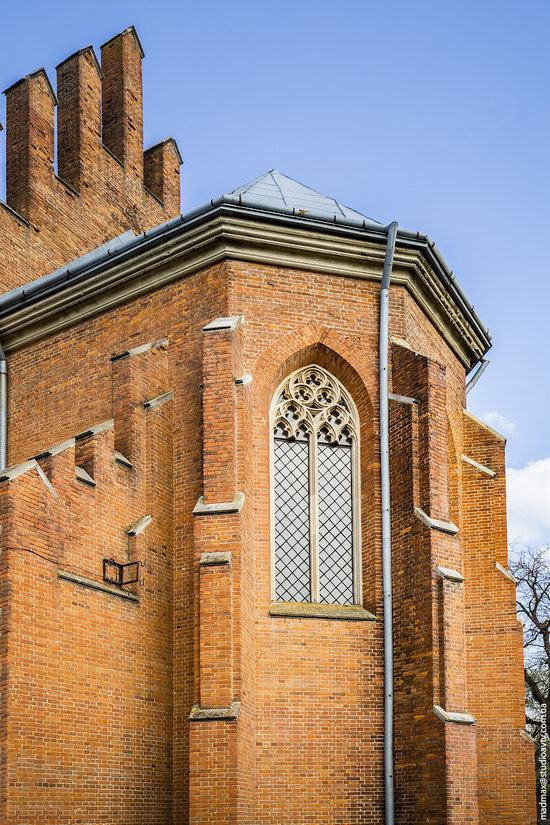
x,y
531,568
534,688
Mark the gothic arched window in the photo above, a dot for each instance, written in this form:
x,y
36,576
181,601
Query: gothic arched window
x,y
315,501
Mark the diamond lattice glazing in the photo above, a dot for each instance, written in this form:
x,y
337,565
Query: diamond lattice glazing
x,y
292,554
335,525
316,430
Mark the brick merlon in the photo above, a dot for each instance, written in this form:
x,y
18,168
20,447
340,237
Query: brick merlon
x,y
38,73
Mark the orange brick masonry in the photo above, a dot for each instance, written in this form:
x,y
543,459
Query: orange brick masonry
x,y
96,689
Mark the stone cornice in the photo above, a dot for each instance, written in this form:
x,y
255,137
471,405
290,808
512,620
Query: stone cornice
x,y
227,235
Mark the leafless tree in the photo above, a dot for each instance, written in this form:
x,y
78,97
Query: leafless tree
x,y
531,567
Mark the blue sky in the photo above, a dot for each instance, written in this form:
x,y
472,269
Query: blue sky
x,y
436,114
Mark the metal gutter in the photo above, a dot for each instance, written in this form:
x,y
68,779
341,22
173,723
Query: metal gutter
x,y
128,245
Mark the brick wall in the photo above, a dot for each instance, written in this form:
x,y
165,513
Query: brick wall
x,y
89,685
307,743
495,636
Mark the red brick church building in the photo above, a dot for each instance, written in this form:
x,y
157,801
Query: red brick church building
x,y
194,523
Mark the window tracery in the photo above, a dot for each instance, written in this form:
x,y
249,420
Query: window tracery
x,y
315,490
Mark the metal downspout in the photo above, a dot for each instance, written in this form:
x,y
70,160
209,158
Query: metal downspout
x,y
3,408
383,363
483,364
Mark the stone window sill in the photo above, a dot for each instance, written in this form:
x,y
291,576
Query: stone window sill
x,y
309,610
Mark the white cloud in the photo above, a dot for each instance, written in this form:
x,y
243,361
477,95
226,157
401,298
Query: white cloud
x,y
499,422
528,494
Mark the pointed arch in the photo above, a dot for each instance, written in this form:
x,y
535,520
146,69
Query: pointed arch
x,y
315,490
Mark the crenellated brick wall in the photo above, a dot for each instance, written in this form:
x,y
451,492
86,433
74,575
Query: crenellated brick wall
x,y
105,183
89,681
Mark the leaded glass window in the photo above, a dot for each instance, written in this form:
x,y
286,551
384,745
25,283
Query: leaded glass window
x,y
316,534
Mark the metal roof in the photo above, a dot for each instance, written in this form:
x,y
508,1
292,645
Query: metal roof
x,y
271,197
275,192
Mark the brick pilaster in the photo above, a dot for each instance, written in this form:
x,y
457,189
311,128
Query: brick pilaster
x,y
217,538
138,375
495,637
435,759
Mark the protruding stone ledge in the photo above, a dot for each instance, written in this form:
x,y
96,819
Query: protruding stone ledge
x,y
527,736
402,399
485,426
435,523
452,716
129,353
481,467
12,473
158,401
224,507
84,476
450,574
215,559
505,572
139,526
402,343
93,585
311,610
123,461
229,714
95,430
70,442
244,379
229,323
56,450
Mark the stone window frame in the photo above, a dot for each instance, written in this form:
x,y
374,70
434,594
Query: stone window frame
x,y
349,421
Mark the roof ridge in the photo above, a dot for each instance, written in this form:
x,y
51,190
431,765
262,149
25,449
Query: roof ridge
x,y
275,181
277,189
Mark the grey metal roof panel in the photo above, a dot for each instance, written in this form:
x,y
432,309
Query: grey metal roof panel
x,y
275,191
272,196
